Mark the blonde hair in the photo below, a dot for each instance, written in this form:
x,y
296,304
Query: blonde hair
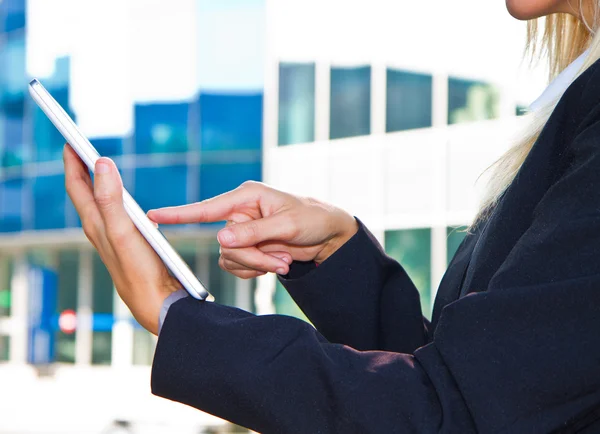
x,y
564,38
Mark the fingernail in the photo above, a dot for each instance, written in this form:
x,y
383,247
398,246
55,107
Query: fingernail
x,y
287,260
102,166
226,237
280,271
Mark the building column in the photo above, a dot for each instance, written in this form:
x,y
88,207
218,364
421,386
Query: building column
x,y
265,291
19,310
122,334
439,246
322,100
439,97
378,98
84,336
243,294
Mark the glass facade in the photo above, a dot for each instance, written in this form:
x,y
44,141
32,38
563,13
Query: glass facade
x,y
103,308
412,249
13,13
6,269
156,187
178,152
285,305
470,101
230,142
350,110
296,103
455,236
162,128
408,100
4,348
68,275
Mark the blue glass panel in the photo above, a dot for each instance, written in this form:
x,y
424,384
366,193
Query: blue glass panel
x,y
230,121
470,100
12,68
217,178
49,202
296,103
350,113
408,100
160,186
412,249
108,146
11,203
161,128
13,13
455,236
13,149
48,142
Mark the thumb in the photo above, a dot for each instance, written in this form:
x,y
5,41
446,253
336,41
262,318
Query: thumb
x,y
278,227
108,194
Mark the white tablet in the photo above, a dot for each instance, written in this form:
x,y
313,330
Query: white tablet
x,y
63,122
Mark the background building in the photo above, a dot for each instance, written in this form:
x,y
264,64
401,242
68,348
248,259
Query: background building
x,y
390,109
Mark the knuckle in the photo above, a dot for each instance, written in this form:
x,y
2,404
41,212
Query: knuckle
x,y
104,200
291,226
250,231
117,235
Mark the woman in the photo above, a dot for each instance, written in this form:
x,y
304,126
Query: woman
x,y
514,343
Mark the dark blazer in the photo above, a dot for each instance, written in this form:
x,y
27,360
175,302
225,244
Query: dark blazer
x,y
513,346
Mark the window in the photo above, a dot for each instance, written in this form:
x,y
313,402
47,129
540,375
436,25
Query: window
x,y
156,187
13,14
408,100
471,101
68,275
230,122
11,203
49,202
161,128
456,235
296,103
412,249
12,146
521,110
350,111
48,142
4,348
103,318
12,68
108,146
6,271
218,177
285,304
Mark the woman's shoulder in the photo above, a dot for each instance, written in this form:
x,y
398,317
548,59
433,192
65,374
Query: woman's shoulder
x,y
582,98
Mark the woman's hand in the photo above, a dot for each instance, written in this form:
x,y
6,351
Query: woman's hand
x,y
266,228
140,277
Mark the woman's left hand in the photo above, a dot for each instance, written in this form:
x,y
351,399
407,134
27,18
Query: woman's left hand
x,y
140,277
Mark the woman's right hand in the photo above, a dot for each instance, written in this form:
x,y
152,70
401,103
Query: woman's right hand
x,y
266,228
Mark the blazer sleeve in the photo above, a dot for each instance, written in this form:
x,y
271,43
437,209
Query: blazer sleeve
x,y
521,357
360,297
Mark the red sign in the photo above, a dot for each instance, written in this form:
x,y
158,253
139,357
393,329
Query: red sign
x,y
67,321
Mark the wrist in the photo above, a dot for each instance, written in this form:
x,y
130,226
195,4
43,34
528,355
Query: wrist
x,y
345,227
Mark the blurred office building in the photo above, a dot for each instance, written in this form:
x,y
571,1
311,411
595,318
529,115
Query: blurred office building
x,y
389,109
